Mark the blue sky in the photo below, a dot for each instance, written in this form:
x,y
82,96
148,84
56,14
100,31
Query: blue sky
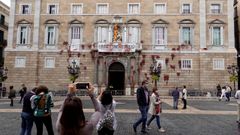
x,y
7,2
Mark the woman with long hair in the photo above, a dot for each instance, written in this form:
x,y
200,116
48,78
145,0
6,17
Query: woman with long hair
x,y
155,109
71,120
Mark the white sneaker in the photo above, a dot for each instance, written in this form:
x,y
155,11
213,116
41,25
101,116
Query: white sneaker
x,y
148,128
161,130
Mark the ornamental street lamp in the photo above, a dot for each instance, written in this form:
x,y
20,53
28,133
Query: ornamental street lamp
x,y
73,70
155,71
233,71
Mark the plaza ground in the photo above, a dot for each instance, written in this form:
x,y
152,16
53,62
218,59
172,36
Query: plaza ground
x,y
204,116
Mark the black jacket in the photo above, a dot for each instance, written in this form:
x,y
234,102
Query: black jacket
x,y
141,98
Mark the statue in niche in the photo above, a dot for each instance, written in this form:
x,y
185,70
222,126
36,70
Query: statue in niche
x,y
117,35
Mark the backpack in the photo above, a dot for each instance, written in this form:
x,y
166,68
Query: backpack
x,y
41,105
107,120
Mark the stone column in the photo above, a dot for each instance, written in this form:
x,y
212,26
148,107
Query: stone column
x,y
230,24
202,8
36,26
11,25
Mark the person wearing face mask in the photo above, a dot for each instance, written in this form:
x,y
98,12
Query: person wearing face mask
x,y
143,98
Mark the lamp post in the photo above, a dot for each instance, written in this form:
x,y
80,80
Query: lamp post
x,y
3,77
73,70
155,71
233,71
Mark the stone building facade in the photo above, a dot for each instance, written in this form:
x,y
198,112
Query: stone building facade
x,y
115,43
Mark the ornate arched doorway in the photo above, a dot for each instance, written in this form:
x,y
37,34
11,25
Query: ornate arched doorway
x,y
116,75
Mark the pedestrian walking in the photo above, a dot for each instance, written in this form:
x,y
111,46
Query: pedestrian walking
x,y
155,109
107,123
42,112
218,87
184,97
71,120
223,94
143,99
175,95
22,92
237,96
228,92
27,113
12,95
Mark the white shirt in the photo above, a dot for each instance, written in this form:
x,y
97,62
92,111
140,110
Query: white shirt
x,y
237,96
184,93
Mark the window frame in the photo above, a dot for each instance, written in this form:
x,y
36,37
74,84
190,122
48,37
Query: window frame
x,y
56,6
139,8
186,68
97,8
222,60
77,4
21,8
190,8
221,35
52,65
80,34
23,65
28,36
54,45
155,8
211,8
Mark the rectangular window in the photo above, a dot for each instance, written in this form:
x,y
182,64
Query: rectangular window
x,y
186,35
218,64
25,9
50,37
102,34
162,62
23,35
186,64
160,36
215,8
134,8
133,34
2,19
160,9
52,9
77,9
186,8
76,37
102,8
49,62
20,62
216,35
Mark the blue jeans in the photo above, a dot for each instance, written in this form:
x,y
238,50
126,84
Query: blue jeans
x,y
143,119
27,123
157,120
175,103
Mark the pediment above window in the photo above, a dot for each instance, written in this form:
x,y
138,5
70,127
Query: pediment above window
x,y
23,21
217,21
101,21
160,21
51,21
75,21
186,21
133,21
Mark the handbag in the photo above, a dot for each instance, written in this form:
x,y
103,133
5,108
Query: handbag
x,y
157,109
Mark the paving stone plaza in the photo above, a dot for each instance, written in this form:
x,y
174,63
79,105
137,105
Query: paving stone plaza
x,y
204,116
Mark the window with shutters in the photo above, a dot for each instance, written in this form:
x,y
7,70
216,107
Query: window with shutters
x,y
76,37
216,36
133,8
102,8
218,64
160,35
23,35
216,33
160,8
25,9
52,9
77,9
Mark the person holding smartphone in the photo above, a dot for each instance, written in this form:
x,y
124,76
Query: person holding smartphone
x,y
71,120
